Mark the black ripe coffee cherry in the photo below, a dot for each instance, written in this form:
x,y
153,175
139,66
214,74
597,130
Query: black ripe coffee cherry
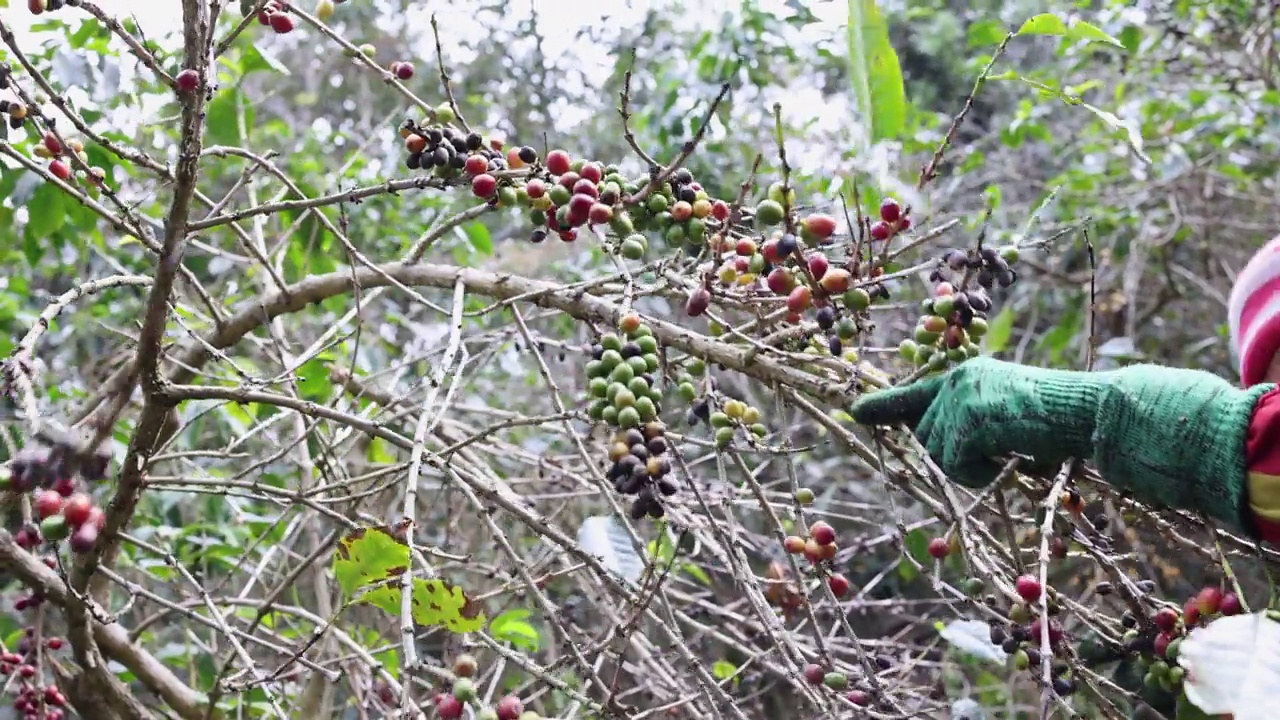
x,y
786,245
528,155
538,236
473,141
826,317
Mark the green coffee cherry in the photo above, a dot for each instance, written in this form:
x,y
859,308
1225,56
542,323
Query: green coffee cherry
x,y
724,437
908,349
836,680
464,689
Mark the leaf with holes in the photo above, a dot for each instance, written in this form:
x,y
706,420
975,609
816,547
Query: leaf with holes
x,y
375,559
369,556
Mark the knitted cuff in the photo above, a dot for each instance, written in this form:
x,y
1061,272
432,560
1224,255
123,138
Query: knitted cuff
x,y
1229,461
1178,442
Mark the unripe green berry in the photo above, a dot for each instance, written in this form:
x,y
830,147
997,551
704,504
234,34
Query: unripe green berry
x,y
769,213
724,437
54,528
780,193
836,680
923,354
857,299
973,586
925,337
464,689
907,349
632,250
1020,614
720,420
804,496
444,113
1021,660
1009,253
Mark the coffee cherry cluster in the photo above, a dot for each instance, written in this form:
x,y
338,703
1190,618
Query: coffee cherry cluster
x,y
725,422
816,674
39,7
50,474
32,701
991,266
733,416
1158,653
622,382
447,151
818,547
52,149
452,705
564,195
954,318
893,219
794,267
1022,641
277,17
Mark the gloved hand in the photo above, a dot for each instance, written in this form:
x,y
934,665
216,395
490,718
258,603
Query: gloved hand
x,y
1172,437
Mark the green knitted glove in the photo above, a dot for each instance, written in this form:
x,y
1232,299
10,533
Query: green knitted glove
x,y
1173,437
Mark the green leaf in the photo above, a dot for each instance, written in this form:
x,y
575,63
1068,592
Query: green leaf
x,y
478,235
436,602
512,626
221,125
986,32
45,212
371,556
1132,134
1081,30
999,330
875,72
380,452
723,670
255,60
916,544
1043,24
698,573
368,556
1050,24
313,380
